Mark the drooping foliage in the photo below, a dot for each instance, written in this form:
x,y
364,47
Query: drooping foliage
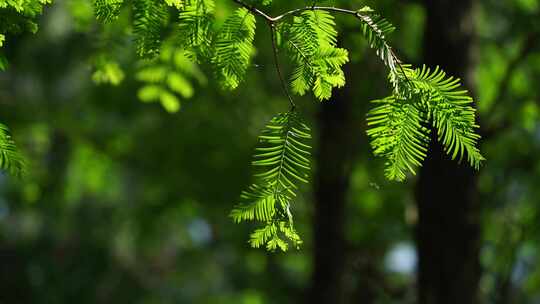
x,y
234,48
195,27
398,123
281,162
148,16
311,40
175,36
149,19
376,30
451,113
398,134
10,158
107,10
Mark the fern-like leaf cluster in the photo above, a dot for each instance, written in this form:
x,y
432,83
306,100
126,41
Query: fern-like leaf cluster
x,y
451,113
398,134
148,17
283,161
107,10
398,124
376,29
195,26
311,41
11,159
234,48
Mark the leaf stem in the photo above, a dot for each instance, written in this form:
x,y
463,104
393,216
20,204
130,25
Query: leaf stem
x,y
278,68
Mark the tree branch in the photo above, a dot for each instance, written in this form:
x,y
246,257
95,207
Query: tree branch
x,y
294,12
254,10
315,8
272,20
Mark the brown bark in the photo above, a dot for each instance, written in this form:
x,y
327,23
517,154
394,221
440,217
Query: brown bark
x,y
448,229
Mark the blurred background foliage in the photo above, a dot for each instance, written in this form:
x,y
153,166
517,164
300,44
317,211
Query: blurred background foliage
x,y
127,201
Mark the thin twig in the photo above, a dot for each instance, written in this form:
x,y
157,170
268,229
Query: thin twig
x,y
278,68
254,10
398,62
314,8
293,12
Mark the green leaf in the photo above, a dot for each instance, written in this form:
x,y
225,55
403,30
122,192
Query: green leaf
x,y
150,93
397,133
451,113
195,26
179,84
10,158
148,17
282,160
179,4
169,102
107,10
397,126
234,48
376,30
311,44
261,206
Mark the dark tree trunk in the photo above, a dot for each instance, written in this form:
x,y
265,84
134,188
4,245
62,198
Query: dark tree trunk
x,y
448,229
333,161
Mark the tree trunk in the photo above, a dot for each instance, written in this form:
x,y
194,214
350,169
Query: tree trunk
x,y
448,229
333,160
